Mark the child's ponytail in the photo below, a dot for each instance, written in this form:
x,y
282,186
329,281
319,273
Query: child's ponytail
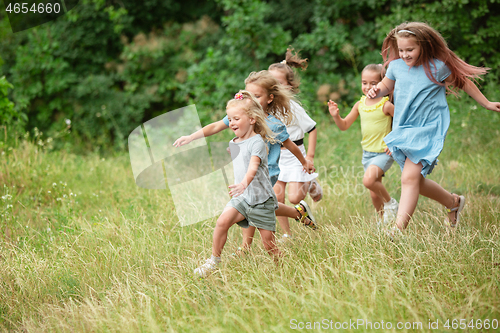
x,y
292,60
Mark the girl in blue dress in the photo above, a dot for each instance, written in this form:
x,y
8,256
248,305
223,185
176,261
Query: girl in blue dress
x,y
421,68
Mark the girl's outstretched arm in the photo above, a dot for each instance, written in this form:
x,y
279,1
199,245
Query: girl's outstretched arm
x,y
473,91
383,88
238,189
343,124
292,147
208,130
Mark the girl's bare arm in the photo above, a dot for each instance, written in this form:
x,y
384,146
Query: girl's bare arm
x,y
473,91
343,124
208,130
383,88
238,189
292,147
311,149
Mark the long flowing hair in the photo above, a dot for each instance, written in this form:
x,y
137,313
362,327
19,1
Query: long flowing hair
x,y
280,106
432,46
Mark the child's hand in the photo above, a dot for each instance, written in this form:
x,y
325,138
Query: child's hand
x,y
493,106
309,166
372,93
236,189
183,140
387,151
333,108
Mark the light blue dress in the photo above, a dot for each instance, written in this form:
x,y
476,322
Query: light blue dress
x,y
421,114
273,156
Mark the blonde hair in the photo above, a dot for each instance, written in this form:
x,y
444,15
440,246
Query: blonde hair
x,y
280,106
292,60
432,46
248,103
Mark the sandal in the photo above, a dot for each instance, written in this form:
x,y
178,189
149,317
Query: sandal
x,y
306,216
318,191
457,209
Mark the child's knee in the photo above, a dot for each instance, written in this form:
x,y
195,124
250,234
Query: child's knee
x,y
223,222
369,180
410,178
295,198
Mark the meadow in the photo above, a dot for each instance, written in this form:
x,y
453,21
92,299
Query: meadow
x,y
83,249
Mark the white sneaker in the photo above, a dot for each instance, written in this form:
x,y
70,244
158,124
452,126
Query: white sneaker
x,y
394,234
318,191
390,211
207,268
285,238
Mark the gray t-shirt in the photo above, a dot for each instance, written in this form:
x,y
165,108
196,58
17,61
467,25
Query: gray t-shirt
x,y
260,188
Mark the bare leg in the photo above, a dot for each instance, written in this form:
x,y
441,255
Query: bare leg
x,y
410,189
269,242
228,217
373,181
434,191
279,189
284,210
412,180
378,203
297,191
247,234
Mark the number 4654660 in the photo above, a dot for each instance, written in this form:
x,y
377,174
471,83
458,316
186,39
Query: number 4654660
x,y
35,8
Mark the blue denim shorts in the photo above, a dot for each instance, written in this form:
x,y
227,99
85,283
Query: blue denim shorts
x,y
382,160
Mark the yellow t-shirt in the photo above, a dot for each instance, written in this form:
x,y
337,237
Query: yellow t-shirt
x,y
375,125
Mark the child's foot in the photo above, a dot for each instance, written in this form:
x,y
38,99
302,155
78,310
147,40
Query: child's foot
x,y
454,213
390,211
394,233
240,252
315,190
207,268
285,238
306,216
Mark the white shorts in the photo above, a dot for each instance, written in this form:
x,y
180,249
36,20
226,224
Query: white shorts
x,y
291,170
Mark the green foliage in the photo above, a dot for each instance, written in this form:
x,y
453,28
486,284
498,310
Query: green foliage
x,y
246,45
9,116
141,59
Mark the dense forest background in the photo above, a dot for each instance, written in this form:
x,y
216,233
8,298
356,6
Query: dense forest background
x,y
110,65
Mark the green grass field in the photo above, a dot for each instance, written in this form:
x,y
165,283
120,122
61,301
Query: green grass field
x,y
83,249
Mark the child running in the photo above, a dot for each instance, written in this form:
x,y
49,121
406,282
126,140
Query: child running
x,y
254,201
421,68
376,121
275,101
291,171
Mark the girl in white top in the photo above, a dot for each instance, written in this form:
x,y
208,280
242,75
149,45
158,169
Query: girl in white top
x,y
291,171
